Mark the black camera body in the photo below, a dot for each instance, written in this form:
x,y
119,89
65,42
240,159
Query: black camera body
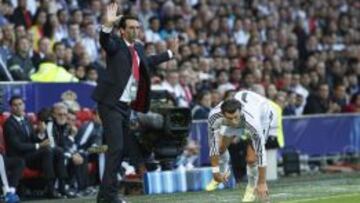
x,y
163,132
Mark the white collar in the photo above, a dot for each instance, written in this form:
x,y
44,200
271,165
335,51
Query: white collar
x,y
128,43
19,119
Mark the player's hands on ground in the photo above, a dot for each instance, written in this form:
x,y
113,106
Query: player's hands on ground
x,y
262,192
221,177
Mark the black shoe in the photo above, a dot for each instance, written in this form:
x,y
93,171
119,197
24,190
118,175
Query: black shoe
x,y
70,194
53,195
102,199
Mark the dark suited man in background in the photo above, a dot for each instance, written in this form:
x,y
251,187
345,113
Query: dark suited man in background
x,y
23,142
125,85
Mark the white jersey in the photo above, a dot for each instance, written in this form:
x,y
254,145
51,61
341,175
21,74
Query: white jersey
x,y
258,118
217,126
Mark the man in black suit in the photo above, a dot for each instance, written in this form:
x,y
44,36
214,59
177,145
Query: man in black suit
x,y
125,85
22,142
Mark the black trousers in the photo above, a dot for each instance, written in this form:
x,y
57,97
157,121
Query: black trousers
x,y
50,161
116,127
14,168
79,173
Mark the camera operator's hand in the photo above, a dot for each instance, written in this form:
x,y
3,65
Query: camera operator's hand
x,y
45,143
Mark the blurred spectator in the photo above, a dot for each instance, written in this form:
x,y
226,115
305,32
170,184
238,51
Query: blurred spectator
x,y
146,13
5,75
74,35
50,72
172,85
59,51
339,96
203,105
320,102
69,98
43,51
90,41
20,65
35,148
89,141
223,82
91,76
37,29
21,15
296,48
354,105
90,133
63,130
152,34
229,94
61,32
216,98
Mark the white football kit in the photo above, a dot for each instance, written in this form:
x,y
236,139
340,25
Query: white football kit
x,y
258,117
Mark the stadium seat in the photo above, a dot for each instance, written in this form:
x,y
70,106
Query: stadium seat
x,y
84,115
31,173
3,117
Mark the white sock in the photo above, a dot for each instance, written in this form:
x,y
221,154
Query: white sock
x,y
224,161
252,174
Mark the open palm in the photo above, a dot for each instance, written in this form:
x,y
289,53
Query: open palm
x,y
110,17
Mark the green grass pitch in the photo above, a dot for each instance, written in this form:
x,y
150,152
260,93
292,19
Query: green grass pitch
x,y
316,188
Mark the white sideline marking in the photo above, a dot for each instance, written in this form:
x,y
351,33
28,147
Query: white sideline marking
x,y
322,198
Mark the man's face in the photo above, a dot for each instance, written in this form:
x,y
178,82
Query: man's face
x,y
60,115
18,107
340,92
24,46
324,92
131,31
233,119
44,45
71,119
60,51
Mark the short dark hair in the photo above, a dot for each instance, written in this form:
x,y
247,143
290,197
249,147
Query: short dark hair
x,y
122,23
230,106
13,98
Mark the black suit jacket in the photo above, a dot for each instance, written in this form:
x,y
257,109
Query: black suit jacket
x,y
18,143
119,65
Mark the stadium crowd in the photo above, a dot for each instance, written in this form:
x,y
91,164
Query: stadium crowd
x,y
304,55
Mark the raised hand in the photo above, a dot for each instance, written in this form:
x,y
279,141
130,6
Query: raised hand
x,y
110,16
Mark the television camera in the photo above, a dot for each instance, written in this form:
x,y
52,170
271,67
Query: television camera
x,y
162,132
